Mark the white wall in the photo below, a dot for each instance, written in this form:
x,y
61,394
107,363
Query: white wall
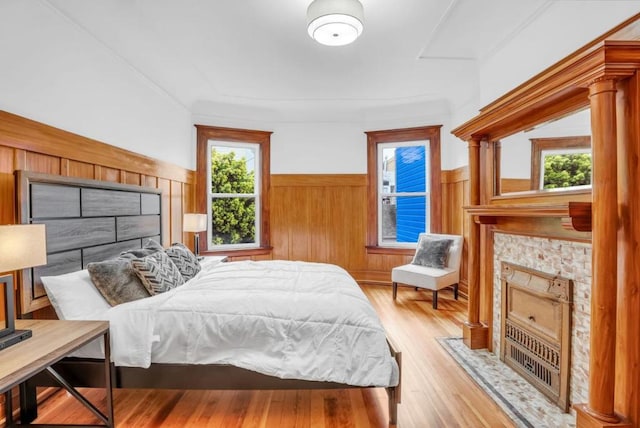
x,y
516,148
53,72
338,143
559,30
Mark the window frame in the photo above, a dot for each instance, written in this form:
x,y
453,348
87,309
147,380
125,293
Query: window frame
x,y
255,195
374,138
540,146
381,194
262,139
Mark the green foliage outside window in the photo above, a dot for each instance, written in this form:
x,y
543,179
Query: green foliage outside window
x,y
567,170
233,218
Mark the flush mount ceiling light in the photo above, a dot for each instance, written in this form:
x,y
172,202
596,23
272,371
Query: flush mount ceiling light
x,y
335,22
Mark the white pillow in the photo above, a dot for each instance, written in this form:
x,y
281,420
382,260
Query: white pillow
x,y
73,296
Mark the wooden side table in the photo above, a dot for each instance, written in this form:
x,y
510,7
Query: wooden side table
x,y
52,340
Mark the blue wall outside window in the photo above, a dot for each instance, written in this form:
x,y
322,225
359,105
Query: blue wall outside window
x,y
410,177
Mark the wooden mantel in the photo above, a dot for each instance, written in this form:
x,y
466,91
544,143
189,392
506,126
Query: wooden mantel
x,y
603,76
574,215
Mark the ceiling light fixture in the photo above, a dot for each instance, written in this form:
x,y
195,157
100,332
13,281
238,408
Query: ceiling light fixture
x,y
335,22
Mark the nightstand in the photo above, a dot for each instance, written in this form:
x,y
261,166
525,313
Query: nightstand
x,y
52,340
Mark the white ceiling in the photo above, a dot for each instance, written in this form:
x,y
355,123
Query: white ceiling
x,y
254,56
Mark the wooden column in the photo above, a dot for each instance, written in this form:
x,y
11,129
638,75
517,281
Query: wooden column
x,y
473,332
599,411
627,400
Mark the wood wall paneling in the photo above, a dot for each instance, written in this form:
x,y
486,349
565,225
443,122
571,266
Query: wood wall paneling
x,y
129,177
455,195
33,146
104,173
176,211
165,186
32,136
7,186
148,181
323,218
78,169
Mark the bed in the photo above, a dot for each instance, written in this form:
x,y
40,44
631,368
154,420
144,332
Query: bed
x,y
244,333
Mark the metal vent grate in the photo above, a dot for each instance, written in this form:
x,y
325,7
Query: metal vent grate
x,y
532,358
536,329
533,345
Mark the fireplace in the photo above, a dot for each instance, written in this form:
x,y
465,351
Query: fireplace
x,y
536,329
551,258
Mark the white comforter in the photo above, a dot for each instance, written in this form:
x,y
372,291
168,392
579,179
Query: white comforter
x,y
286,319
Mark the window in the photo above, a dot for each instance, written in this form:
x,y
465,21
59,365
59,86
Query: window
x,y
234,198
404,186
233,185
560,162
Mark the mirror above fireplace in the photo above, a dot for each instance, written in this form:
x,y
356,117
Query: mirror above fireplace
x,y
554,156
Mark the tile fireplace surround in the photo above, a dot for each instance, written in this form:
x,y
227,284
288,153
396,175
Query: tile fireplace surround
x,y
571,260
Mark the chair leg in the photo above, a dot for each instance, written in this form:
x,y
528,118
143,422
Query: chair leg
x,y
455,291
395,290
435,299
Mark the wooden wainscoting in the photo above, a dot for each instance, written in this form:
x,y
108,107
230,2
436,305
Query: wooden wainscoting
x,y
322,218
455,195
33,146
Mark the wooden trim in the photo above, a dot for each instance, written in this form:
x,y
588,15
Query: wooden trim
x,y
372,192
544,196
374,249
472,328
579,210
538,145
26,134
322,180
557,91
239,253
431,133
457,175
263,138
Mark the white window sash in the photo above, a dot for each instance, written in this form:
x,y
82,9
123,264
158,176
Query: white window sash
x,y
382,195
256,195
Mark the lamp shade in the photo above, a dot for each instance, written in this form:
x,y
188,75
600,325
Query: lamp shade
x,y
194,222
22,246
335,22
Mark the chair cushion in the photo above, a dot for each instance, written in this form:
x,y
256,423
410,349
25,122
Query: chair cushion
x,y
425,277
432,252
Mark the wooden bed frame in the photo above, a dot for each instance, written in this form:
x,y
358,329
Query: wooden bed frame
x,y
125,215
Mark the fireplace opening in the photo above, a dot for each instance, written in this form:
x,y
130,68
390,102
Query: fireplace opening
x,y
535,336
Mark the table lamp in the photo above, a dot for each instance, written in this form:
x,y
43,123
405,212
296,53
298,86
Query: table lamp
x,y
22,246
195,223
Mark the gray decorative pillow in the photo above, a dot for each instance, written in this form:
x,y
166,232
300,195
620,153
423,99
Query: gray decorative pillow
x,y
432,252
157,272
186,262
116,280
150,247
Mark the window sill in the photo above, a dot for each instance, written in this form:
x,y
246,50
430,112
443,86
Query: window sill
x,y
239,252
374,249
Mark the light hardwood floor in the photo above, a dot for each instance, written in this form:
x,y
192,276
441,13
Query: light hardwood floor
x,y
436,391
